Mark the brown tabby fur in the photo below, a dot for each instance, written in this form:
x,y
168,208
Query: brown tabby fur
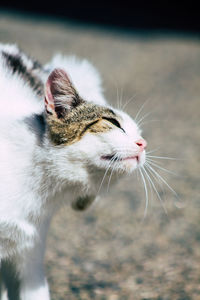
x,y
86,117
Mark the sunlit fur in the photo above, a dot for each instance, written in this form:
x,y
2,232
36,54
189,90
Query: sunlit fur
x,y
37,175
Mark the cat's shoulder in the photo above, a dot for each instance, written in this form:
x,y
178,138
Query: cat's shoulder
x,y
14,63
21,84
17,60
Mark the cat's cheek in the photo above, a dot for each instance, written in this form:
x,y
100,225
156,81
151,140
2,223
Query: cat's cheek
x,y
99,162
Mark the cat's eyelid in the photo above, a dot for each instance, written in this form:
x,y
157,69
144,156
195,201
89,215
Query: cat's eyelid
x,y
88,126
114,122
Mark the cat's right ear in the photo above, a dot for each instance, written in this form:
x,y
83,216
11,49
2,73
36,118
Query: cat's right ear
x,y
60,94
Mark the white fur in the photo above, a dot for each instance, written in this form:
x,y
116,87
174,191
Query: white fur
x,y
35,179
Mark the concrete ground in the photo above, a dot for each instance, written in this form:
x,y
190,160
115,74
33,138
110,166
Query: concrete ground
x,y
110,252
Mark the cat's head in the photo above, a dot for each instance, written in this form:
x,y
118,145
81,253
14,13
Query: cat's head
x,y
92,136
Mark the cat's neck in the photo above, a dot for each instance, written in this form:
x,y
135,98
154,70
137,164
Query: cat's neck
x,y
54,177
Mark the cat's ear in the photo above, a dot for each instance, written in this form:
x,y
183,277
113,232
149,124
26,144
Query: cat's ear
x,y
60,94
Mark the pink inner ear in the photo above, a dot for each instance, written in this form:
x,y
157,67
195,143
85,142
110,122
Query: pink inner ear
x,y
48,105
60,94
49,101
51,88
60,74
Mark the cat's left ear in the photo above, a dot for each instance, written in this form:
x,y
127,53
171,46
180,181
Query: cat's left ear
x,y
60,94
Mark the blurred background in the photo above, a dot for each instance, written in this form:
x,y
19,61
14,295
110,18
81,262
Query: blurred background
x,y
133,14
148,53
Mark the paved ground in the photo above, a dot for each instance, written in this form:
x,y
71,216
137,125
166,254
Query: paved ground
x,y
108,252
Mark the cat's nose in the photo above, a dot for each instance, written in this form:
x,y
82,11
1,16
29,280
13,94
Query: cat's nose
x,y
141,143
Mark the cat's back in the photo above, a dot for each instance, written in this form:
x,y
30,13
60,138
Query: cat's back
x,y
21,84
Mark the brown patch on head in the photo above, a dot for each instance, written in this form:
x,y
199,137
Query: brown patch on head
x,y
69,117
86,117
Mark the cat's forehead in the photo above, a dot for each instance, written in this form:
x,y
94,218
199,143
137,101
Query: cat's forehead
x,y
89,112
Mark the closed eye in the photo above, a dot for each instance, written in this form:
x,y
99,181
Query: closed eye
x,y
88,126
114,122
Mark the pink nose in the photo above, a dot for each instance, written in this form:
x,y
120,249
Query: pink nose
x,y
142,144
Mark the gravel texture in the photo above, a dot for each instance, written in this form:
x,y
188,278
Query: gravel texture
x,y
109,251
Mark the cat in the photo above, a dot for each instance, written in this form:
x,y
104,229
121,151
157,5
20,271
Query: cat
x,y
60,141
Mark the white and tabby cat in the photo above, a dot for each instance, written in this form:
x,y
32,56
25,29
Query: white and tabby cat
x,y
58,139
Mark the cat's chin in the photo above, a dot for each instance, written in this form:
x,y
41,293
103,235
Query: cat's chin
x,y
123,165
130,165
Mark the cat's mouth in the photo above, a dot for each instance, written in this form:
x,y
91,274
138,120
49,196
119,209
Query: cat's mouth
x,y
114,158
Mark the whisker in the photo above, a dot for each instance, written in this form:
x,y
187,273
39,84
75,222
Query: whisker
x,y
155,177
121,97
145,116
164,157
155,189
154,150
146,194
151,162
107,169
163,180
147,122
117,96
118,103
141,108
109,180
149,183
128,101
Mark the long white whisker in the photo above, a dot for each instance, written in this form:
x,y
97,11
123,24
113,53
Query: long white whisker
x,y
151,151
164,157
147,122
107,169
128,101
141,108
118,103
145,116
163,180
119,97
151,162
149,183
146,193
154,176
156,180
114,159
155,189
